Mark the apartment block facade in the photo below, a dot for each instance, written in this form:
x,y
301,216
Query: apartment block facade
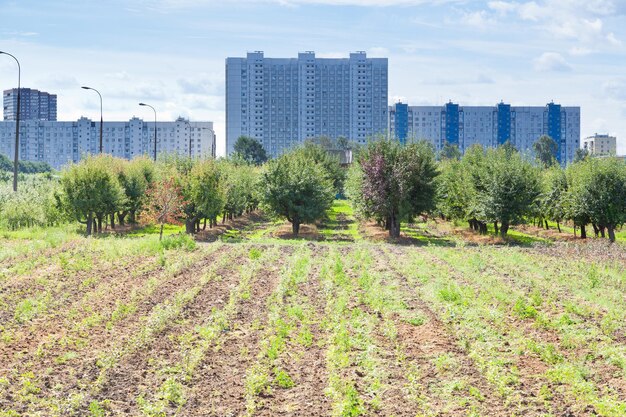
x,y
60,143
488,126
34,105
600,145
284,101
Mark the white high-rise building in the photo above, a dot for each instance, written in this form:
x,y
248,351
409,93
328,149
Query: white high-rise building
x,y
600,145
488,126
283,101
59,143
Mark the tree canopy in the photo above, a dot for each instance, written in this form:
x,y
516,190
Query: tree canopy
x,y
250,150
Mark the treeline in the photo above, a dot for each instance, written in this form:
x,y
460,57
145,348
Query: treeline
x,y
497,186
24,167
105,191
387,182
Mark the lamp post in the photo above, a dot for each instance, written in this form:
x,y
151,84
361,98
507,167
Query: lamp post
x,y
17,121
155,129
99,95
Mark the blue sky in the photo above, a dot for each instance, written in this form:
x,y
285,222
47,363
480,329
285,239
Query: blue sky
x,y
170,53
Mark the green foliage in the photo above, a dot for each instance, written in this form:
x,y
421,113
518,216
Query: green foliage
x,y
552,199
496,185
297,188
392,182
250,150
179,241
450,152
330,163
24,167
283,379
91,189
33,204
545,149
597,193
239,183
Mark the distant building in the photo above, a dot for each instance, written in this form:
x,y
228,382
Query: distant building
x,y
600,145
488,125
59,143
283,101
34,105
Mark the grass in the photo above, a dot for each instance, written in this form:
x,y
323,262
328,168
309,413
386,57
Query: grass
x,y
340,223
441,327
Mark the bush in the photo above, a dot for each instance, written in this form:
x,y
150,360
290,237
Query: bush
x,y
179,241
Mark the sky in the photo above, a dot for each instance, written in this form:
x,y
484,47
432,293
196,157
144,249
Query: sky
x,y
171,53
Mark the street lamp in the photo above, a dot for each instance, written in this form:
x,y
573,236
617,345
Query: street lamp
x,y
155,129
17,121
99,95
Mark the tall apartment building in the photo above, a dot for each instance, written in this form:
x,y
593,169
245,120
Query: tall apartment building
x,y
34,105
283,101
488,126
600,145
59,143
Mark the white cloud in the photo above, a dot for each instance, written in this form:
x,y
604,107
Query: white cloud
x,y
479,19
178,4
551,62
581,21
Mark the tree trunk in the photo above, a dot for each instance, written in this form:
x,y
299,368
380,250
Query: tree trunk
x,y
394,226
611,231
547,225
596,230
190,225
112,220
224,218
121,217
99,221
197,225
133,218
504,229
204,226
583,232
161,233
558,226
602,229
495,227
295,228
89,224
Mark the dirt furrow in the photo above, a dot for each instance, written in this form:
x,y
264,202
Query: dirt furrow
x,y
434,353
77,373
217,388
306,365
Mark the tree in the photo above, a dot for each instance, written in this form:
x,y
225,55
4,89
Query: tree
x,y
552,198
598,194
90,189
580,154
450,151
453,190
250,150
545,151
239,182
396,182
297,188
203,194
510,185
330,163
135,177
164,203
